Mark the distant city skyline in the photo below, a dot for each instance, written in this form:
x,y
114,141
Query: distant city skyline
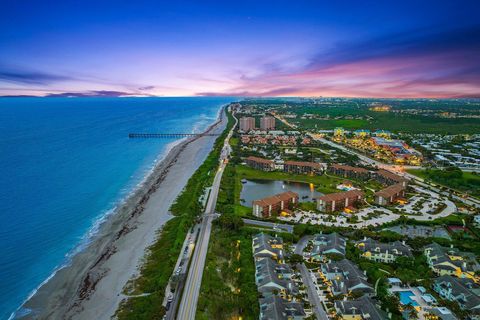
x,y
390,49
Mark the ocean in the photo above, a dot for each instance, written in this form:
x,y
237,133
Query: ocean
x,y
66,163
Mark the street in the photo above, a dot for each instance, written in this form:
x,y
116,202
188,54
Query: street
x,y
275,226
188,304
312,293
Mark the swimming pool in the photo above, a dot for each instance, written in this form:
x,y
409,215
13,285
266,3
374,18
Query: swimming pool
x,y
405,298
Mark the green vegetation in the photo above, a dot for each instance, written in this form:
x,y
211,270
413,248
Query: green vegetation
x,y
228,285
467,182
163,254
412,116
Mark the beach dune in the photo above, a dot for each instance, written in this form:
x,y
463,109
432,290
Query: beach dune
x,y
90,287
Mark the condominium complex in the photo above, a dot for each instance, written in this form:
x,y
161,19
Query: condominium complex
x,y
275,204
383,252
247,124
389,178
267,123
302,167
388,195
349,171
260,163
336,201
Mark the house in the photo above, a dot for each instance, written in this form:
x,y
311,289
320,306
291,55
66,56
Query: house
x,y
324,244
476,219
266,246
360,309
383,252
302,167
337,201
275,204
276,308
463,291
284,271
451,261
388,178
274,278
260,163
349,172
344,277
388,195
442,313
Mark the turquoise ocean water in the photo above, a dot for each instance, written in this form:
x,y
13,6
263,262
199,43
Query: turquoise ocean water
x,y
66,163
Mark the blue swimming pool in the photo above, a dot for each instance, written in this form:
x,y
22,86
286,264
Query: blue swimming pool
x,y
405,298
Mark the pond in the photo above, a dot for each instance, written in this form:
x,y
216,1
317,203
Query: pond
x,y
258,189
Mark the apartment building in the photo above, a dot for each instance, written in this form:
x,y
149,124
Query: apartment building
x,y
349,172
337,201
275,204
260,163
302,167
247,124
451,261
390,194
267,123
383,252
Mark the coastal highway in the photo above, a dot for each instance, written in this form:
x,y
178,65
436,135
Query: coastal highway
x,y
188,304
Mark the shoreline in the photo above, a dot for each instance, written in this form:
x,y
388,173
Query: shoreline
x,y
96,275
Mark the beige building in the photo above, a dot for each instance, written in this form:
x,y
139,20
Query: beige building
x,y
267,123
247,124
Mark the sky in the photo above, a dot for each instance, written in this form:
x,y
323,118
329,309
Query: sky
x,y
358,48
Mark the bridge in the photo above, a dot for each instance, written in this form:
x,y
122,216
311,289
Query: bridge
x,y
169,135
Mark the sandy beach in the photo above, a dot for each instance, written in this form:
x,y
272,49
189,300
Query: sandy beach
x,y
91,286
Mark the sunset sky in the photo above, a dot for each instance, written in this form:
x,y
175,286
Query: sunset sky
x,y
241,48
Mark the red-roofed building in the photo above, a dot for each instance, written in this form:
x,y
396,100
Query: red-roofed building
x,y
260,163
390,194
302,167
349,171
389,178
337,201
265,207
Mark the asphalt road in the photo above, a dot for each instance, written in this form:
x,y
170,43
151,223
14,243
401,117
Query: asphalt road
x,y
276,226
188,304
312,293
301,244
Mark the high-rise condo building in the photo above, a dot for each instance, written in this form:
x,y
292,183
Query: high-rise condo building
x,y
247,124
267,123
